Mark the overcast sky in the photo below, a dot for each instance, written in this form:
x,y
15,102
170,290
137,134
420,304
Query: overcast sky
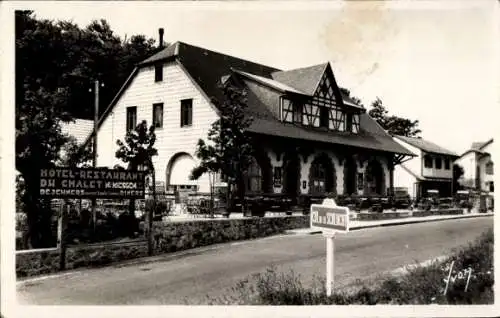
x,y
435,62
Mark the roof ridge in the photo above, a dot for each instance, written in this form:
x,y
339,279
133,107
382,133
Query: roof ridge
x,y
303,68
225,54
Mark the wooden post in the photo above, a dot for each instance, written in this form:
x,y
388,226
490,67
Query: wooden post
x,y
61,229
94,148
330,267
150,216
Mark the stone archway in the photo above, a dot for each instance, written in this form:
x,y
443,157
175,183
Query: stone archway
x,y
350,176
375,178
291,174
178,169
322,177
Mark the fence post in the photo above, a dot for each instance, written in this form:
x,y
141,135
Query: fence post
x,y
61,229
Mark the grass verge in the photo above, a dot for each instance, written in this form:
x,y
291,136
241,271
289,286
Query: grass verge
x,y
470,269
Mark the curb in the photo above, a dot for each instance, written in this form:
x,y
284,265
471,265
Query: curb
x,y
402,222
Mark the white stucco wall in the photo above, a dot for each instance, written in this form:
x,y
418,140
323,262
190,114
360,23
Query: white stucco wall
x,y
143,92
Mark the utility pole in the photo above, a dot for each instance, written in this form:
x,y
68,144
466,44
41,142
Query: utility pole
x,y
151,212
94,148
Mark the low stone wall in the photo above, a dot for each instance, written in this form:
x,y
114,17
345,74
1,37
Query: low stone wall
x,y
418,213
371,216
168,237
36,262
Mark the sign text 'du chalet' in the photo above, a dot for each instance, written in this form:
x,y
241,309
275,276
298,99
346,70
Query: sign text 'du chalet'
x,y
91,183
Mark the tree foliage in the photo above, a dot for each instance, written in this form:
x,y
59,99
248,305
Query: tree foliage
x,y
229,149
56,63
138,149
393,124
458,172
347,93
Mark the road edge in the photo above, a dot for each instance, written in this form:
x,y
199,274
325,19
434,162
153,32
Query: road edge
x,y
392,223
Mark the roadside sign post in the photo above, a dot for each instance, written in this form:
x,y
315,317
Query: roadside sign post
x,y
330,261
61,227
330,219
87,183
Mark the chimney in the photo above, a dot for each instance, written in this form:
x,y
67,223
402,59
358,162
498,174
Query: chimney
x,y
160,31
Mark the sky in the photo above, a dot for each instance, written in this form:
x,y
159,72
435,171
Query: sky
x,y
431,61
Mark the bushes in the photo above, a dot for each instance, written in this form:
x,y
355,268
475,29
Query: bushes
x,y
421,285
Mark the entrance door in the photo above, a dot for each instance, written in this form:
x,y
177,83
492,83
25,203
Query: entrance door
x,y
350,175
291,175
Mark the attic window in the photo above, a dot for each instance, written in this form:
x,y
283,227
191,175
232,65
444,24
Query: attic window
x,y
158,73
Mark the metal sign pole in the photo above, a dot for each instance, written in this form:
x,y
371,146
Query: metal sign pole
x,y
330,267
330,219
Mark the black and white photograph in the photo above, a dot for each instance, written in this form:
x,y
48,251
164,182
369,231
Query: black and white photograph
x,y
254,153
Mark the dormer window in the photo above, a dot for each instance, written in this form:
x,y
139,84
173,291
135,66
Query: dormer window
x,y
291,111
355,123
297,113
348,122
324,117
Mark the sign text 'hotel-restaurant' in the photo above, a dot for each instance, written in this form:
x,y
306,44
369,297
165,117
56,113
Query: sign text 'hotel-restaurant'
x,y
92,183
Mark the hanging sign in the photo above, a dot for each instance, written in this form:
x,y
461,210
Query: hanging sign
x,y
360,181
90,183
277,177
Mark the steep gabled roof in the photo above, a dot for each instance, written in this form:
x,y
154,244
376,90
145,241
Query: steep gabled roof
x,y
304,79
208,68
270,83
479,146
427,146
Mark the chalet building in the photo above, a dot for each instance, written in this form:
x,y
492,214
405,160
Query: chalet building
x,y
431,169
478,167
309,138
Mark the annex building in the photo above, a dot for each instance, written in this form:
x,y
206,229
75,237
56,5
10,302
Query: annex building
x,y
310,138
431,170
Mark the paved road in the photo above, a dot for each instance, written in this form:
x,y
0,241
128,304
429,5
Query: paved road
x,y
188,279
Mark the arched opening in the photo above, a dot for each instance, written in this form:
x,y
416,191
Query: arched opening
x,y
291,174
350,175
178,172
266,170
253,178
375,178
322,175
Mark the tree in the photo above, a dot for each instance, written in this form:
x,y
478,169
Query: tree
x,y
393,124
55,65
347,93
40,108
137,152
74,154
229,149
458,172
